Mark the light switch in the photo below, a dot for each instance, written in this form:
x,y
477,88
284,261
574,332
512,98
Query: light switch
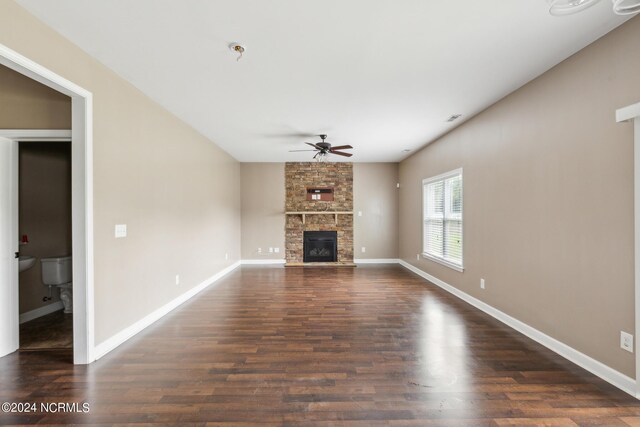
x,y
359,213
121,230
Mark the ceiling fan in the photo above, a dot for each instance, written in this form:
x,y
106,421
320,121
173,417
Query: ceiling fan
x,y
324,148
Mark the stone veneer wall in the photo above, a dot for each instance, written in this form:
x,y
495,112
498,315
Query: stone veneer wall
x,y
302,175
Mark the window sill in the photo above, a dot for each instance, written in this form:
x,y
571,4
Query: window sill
x,y
444,262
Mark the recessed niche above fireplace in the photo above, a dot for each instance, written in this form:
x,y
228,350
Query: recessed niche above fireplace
x,y
320,194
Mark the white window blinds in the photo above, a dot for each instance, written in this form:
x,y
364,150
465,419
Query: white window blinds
x,y
442,214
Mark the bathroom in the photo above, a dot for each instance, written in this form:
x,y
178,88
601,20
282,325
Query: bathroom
x,y
46,318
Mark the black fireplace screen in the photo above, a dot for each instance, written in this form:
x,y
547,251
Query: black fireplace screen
x,y
320,246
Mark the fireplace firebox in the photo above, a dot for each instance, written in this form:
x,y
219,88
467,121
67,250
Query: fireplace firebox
x,y
320,246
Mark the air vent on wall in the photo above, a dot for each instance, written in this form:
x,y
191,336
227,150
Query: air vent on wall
x,y
454,117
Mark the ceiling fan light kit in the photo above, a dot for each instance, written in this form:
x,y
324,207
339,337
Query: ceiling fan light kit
x,y
569,7
626,7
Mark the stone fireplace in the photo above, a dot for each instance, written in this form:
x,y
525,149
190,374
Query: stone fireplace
x,y
319,198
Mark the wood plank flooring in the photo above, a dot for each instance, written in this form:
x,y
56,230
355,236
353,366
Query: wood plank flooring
x,y
374,345
53,331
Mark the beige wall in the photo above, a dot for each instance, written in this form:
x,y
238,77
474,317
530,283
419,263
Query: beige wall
x,y
262,210
548,200
27,104
44,213
375,194
177,192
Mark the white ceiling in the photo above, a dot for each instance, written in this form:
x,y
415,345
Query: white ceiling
x,y
381,75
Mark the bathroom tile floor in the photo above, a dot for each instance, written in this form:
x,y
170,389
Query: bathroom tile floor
x,y
53,331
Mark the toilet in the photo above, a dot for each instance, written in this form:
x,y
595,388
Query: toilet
x,y
56,271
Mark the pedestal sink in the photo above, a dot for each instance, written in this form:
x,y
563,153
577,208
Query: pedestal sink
x,y
25,262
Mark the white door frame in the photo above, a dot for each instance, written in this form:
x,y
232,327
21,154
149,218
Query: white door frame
x,y
9,327
81,197
627,114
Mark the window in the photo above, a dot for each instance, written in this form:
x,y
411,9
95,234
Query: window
x,y
442,215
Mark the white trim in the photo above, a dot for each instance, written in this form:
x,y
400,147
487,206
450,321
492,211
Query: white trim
x,y
261,261
41,311
376,261
82,196
9,314
356,261
37,72
632,112
442,176
443,261
36,134
599,369
628,113
82,223
15,222
425,254
15,232
130,331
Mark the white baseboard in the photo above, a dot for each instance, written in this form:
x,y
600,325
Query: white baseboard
x,y
261,261
42,311
357,261
599,369
122,336
282,261
376,261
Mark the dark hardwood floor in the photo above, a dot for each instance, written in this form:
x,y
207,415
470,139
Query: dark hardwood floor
x,y
53,331
374,345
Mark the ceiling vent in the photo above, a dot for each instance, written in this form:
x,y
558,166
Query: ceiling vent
x,y
454,117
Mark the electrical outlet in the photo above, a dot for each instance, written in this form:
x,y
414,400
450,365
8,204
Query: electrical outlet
x,y
259,250
226,256
418,257
359,213
177,279
481,283
270,250
364,249
626,341
276,250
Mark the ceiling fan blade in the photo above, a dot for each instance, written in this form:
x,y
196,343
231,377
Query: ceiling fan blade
x,y
340,153
313,145
341,147
318,153
294,151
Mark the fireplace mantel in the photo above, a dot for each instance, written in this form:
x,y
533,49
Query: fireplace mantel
x,y
305,213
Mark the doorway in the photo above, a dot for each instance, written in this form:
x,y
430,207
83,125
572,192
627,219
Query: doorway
x,y
81,210
45,290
